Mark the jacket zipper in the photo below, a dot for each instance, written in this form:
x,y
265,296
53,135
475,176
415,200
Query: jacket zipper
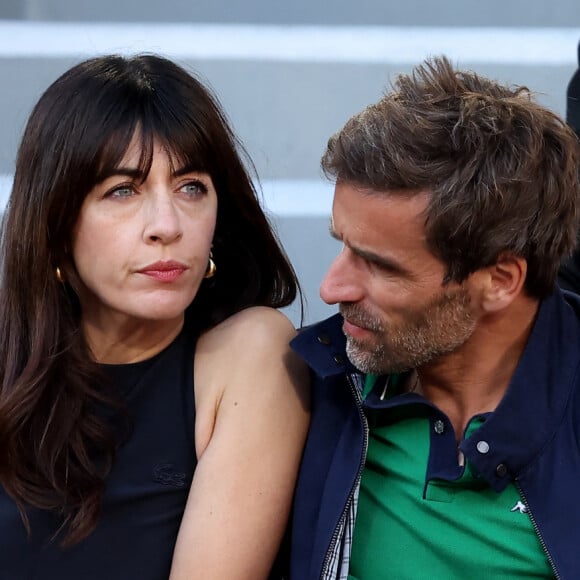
x,y
537,529
334,540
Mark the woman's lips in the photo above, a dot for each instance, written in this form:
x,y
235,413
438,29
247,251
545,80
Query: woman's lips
x,y
164,271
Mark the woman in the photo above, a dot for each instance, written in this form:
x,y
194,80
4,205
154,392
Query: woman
x,y
143,364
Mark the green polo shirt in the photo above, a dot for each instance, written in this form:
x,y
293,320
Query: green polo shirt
x,y
458,528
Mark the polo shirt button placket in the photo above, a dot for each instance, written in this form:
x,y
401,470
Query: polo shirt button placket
x,y
501,470
482,447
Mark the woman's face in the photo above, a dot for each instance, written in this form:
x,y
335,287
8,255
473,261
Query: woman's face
x,y
141,248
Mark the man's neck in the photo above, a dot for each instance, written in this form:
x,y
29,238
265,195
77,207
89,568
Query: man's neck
x,y
475,378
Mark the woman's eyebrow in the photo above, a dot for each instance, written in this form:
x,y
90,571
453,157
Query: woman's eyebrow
x,y
188,169
131,172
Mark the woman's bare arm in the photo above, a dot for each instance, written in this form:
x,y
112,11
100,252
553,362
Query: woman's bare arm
x,y
251,422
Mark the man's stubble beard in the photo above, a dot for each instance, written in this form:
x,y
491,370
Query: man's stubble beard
x,y
439,328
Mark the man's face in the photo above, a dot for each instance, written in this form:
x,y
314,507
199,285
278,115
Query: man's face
x,y
398,315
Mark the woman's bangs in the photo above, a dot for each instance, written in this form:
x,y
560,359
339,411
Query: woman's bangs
x,y
115,147
186,143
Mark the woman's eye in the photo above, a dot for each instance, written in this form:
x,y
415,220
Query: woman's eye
x,y
123,191
193,188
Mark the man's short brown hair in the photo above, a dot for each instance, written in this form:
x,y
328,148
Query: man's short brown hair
x,y
501,169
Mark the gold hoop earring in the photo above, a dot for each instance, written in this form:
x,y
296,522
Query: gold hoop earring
x,y
211,267
58,274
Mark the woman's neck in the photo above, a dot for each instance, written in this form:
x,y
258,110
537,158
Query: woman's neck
x,y
128,341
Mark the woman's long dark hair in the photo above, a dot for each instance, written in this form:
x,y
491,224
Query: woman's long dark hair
x,y
56,448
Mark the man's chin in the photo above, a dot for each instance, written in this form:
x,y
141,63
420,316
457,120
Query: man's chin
x,y
366,360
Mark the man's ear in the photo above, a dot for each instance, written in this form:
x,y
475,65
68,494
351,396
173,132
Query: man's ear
x,y
503,282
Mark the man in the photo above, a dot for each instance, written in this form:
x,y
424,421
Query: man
x,y
445,436
569,277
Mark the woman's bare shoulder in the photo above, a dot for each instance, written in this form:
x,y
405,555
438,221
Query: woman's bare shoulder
x,y
252,332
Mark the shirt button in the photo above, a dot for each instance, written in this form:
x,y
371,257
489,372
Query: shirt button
x,y
501,470
439,426
482,446
323,339
338,359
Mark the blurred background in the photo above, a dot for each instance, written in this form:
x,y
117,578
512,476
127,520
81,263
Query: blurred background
x,y
289,74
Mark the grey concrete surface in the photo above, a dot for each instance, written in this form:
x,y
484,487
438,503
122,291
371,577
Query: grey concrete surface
x,y
12,9
311,251
520,13
283,112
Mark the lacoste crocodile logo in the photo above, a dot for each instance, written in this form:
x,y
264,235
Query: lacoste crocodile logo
x,y
165,474
520,507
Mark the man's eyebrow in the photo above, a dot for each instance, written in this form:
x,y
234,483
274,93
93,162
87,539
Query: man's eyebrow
x,y
381,261
369,256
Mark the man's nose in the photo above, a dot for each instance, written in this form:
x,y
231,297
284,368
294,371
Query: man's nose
x,y
342,282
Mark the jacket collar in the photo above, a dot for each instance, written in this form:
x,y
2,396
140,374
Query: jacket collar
x,y
537,397
323,347
533,406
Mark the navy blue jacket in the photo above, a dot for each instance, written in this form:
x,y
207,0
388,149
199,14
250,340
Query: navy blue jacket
x,y
533,437
569,276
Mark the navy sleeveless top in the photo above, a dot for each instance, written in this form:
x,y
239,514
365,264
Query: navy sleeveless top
x,y
145,494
